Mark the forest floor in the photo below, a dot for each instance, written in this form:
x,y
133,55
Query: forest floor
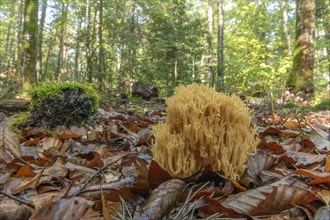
x,y
106,171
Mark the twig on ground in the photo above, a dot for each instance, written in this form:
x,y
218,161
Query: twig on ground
x,y
96,174
17,199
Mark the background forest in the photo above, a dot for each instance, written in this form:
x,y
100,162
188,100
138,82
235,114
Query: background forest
x,y
239,46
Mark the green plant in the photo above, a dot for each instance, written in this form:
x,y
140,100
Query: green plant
x,y
322,106
19,121
135,100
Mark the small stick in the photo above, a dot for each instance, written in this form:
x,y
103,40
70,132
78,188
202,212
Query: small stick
x,y
17,199
97,173
20,159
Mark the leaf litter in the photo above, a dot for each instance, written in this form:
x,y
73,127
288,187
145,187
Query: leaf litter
x,y
107,172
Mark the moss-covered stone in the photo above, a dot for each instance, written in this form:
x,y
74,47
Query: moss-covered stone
x,y
67,104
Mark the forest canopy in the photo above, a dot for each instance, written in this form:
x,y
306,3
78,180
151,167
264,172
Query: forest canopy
x,y
237,46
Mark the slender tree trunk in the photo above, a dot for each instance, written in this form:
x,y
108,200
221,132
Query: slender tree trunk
x,y
301,76
49,52
77,53
89,43
40,39
286,36
59,65
220,46
209,40
175,70
30,31
101,55
18,50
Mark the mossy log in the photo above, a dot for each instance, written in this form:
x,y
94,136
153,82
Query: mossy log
x,y
14,105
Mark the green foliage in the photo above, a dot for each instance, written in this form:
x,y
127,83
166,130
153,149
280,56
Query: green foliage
x,y
19,121
135,100
67,104
323,106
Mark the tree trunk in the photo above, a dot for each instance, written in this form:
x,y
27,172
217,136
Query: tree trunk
x,y
220,46
18,50
209,40
286,36
101,55
59,66
40,39
77,76
301,76
89,43
30,31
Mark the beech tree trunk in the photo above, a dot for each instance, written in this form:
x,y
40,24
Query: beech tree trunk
x,y
101,74
209,40
40,39
30,31
301,76
220,46
286,36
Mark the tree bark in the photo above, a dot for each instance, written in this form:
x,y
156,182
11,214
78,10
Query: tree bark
x,y
30,31
220,46
58,71
301,76
286,36
101,54
40,39
89,43
209,40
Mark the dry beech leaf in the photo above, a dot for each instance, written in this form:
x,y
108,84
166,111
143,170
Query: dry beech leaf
x,y
319,138
327,164
8,140
10,209
67,208
56,170
270,199
157,175
28,184
269,144
161,200
291,124
258,162
48,143
301,159
25,171
318,177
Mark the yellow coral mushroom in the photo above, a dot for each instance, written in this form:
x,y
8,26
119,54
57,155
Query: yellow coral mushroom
x,y
204,127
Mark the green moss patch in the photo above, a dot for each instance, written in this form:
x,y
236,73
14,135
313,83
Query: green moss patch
x,y
19,121
67,104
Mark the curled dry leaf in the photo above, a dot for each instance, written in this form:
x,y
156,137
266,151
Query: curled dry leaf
x,y
161,200
9,144
301,159
48,143
270,199
28,184
318,177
